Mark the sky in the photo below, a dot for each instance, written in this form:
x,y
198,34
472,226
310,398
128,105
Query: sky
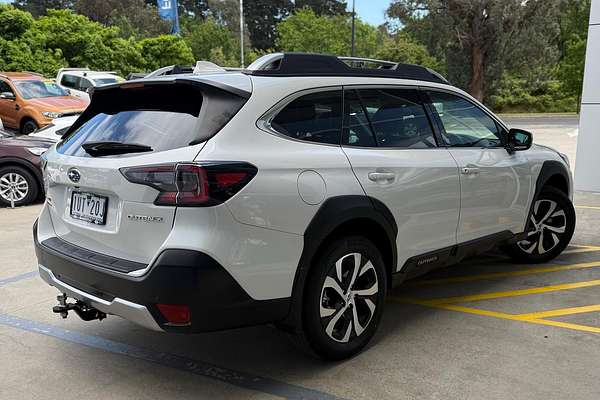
x,y
371,11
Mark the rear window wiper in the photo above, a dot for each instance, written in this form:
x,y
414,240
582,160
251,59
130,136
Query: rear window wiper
x,y
98,149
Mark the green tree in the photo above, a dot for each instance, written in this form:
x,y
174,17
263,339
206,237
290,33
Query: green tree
x,y
211,41
323,7
40,7
166,50
127,57
16,55
132,17
493,35
403,48
261,18
13,22
573,42
305,31
79,39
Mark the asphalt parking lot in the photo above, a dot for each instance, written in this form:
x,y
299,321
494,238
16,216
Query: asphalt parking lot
x,y
484,329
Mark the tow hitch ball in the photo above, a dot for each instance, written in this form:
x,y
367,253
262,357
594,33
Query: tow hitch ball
x,y
84,311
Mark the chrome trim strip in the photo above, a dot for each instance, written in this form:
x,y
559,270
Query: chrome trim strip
x,y
133,312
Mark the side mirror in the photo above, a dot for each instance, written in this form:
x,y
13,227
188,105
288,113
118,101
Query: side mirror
x,y
7,96
518,140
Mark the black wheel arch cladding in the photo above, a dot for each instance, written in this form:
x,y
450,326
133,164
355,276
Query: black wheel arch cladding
x,y
550,171
333,214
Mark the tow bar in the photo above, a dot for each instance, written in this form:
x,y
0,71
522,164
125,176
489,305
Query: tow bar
x,y
84,311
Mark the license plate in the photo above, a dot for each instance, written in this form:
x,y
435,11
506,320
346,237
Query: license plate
x,y
89,207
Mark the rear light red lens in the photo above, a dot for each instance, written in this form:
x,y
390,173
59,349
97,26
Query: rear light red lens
x,y
177,314
225,179
192,185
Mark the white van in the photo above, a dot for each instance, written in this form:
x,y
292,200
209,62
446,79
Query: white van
x,y
79,80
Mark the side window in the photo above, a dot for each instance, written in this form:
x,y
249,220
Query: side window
x,y
315,117
70,81
84,84
465,124
386,118
5,87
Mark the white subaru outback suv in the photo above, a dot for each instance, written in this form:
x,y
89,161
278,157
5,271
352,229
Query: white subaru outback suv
x,y
295,192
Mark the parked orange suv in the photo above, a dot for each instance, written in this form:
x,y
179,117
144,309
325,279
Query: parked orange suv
x,y
29,102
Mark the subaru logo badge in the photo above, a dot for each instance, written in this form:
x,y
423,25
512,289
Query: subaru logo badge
x,y
74,175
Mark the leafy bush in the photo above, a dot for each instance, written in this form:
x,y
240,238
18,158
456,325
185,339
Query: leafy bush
x,y
213,42
63,38
518,95
402,48
165,50
13,22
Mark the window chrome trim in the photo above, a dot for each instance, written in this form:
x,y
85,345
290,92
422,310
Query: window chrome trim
x,y
264,122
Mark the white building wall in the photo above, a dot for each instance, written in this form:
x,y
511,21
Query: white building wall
x,y
587,168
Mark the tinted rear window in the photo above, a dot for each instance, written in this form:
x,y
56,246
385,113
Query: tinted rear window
x,y
162,116
161,130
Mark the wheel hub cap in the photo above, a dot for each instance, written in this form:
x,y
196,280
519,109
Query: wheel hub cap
x,y
13,187
349,297
547,224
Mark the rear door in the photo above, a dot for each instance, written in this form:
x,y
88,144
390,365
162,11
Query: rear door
x,y
92,204
495,185
392,148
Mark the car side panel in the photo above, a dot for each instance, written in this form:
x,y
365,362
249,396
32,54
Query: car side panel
x,y
496,198
424,195
286,168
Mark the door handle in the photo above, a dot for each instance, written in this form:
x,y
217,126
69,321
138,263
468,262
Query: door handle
x,y
381,176
469,171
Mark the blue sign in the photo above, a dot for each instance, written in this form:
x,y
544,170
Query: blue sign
x,y
167,10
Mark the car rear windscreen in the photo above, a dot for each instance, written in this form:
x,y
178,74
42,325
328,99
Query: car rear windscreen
x,y
162,116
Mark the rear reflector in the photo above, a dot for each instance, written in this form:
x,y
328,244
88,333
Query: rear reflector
x,y
176,314
191,184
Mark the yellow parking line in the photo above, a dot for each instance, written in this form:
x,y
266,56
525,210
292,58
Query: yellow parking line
x,y
581,249
588,207
567,325
495,314
512,293
523,272
560,312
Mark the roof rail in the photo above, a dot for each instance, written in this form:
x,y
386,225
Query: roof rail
x,y
306,64
360,62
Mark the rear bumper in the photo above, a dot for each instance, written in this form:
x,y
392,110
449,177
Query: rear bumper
x,y
133,312
177,276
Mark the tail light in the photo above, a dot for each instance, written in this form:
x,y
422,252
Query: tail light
x,y
192,185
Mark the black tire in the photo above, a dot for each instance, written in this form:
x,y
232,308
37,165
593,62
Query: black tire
x,y
8,175
555,227
353,307
29,126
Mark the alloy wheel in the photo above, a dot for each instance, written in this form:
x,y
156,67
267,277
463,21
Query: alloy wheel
x,y
13,187
349,297
547,224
